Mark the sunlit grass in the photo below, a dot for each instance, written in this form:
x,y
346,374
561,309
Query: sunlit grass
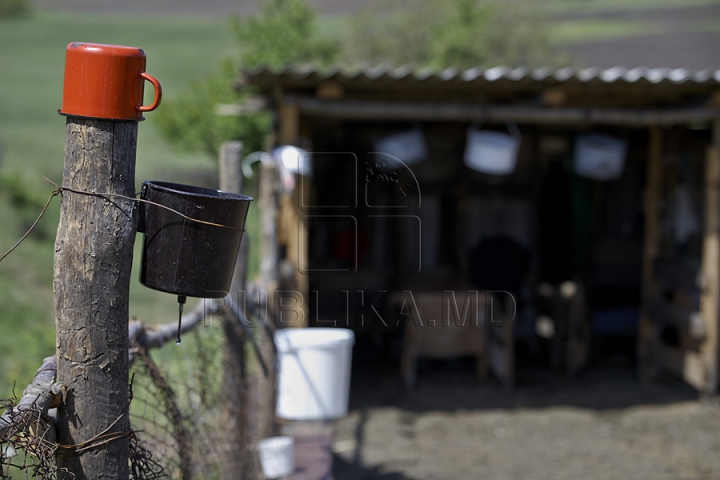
x,y
179,51
574,31
707,26
599,6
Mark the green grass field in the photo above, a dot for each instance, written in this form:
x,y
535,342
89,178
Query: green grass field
x,y
32,54
600,6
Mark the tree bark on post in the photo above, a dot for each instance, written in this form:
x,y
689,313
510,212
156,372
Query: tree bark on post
x,y
93,260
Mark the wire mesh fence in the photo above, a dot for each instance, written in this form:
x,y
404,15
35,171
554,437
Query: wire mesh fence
x,y
175,410
197,409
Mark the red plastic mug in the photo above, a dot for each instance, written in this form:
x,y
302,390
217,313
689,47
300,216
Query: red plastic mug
x,y
106,82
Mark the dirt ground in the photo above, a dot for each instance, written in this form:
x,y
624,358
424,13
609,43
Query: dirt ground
x,y
600,425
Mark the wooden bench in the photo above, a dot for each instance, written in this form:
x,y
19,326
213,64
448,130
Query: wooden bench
x,y
438,325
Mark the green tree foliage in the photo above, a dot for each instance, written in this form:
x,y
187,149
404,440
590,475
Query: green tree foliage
x,y
393,31
449,33
422,33
189,121
13,8
284,32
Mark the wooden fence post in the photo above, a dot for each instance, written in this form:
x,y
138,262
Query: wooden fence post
x,y
93,260
250,393
269,257
237,461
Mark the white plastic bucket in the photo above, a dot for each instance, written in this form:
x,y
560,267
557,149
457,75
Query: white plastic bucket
x,y
600,157
277,456
491,152
314,378
409,147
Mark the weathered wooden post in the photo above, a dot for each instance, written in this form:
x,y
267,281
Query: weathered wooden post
x,y
102,99
269,257
235,461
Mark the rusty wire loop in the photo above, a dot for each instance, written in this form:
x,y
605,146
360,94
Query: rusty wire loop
x,y
100,439
59,191
26,436
182,420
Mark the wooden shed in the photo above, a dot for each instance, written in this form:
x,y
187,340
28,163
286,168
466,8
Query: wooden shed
x,y
634,254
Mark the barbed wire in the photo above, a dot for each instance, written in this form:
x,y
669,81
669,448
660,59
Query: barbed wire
x,y
179,406
60,190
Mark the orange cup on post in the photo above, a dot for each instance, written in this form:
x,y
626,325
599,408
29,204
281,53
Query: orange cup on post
x,y
106,82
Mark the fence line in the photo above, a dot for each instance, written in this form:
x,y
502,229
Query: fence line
x,y
178,409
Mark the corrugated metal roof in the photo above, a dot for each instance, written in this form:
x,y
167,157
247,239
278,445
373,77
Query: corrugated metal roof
x,y
613,96
496,75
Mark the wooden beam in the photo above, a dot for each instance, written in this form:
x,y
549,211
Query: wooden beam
x,y
289,122
646,332
554,97
292,234
710,295
330,90
292,229
715,98
462,112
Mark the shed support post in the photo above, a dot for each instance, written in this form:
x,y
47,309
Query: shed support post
x,y
93,260
653,189
289,122
292,228
710,295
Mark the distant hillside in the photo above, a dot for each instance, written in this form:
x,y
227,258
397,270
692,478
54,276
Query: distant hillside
x,y
663,37
604,33
209,7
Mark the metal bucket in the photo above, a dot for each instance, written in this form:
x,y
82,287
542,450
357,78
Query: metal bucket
x,y
192,255
492,152
599,156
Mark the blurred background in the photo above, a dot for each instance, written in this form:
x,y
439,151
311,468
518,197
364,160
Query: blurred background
x,y
196,50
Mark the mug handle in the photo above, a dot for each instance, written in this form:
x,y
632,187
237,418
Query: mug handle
x,y
158,93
